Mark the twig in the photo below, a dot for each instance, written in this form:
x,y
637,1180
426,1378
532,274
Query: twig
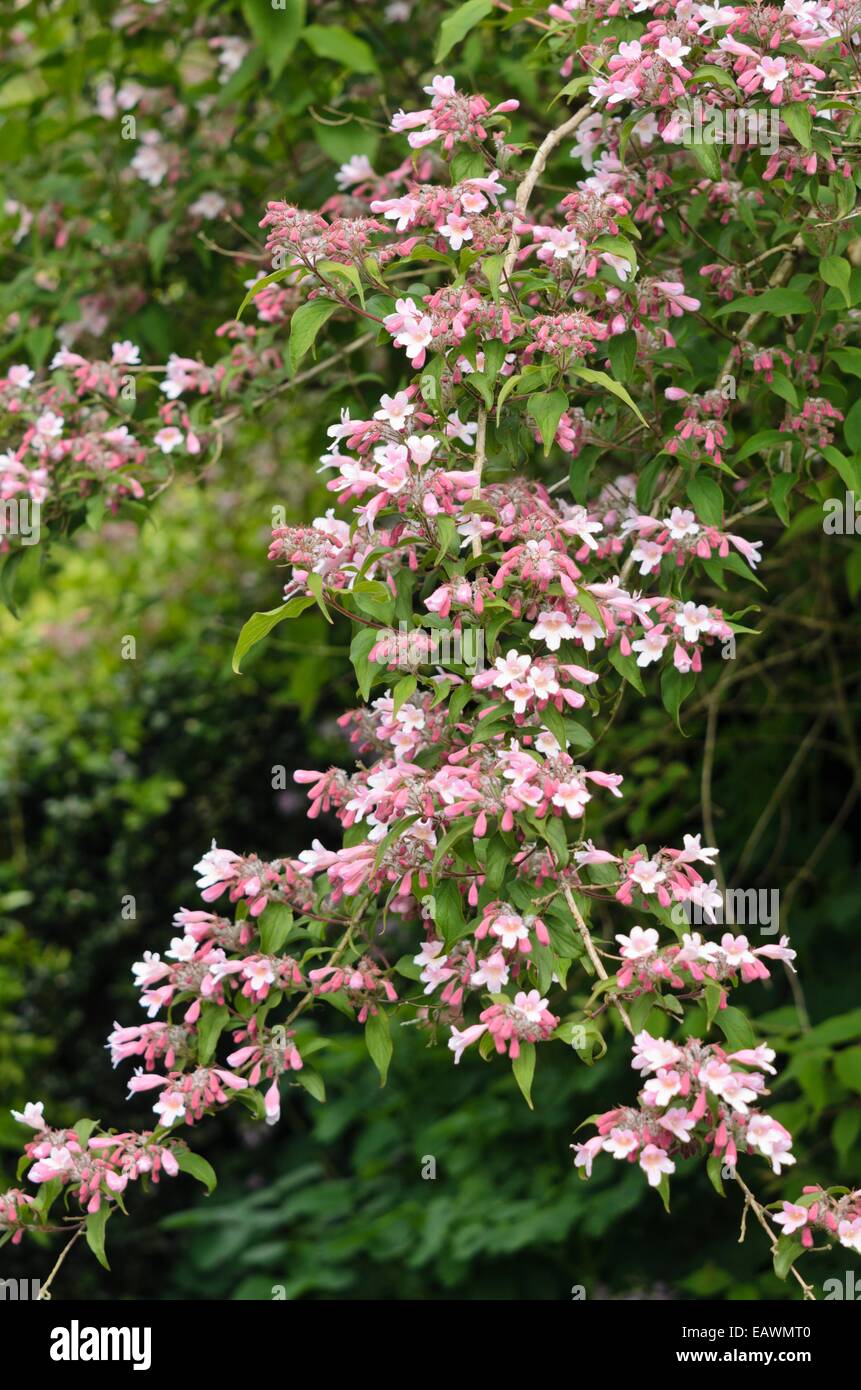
x,y
753,1205
45,1289
593,954
533,174
480,451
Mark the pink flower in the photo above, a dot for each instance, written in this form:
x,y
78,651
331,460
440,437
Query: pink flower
x,y
655,1163
791,1217
461,1039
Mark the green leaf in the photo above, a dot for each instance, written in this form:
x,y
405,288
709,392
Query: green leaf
x,y
781,486
844,1132
276,29
313,1083
852,428
709,161
848,359
786,1252
587,602
547,409
378,1041
622,351
796,115
847,1067
836,271
762,442
449,839
405,687
523,1067
275,925
448,911
614,387
211,1024
848,469
335,42
710,72
344,272
663,1187
157,245
84,1129
197,1167
617,246
315,584
95,1233
497,861
457,25
714,1165
675,689
259,624
735,1028
776,301
783,387
627,668
363,643
305,325
259,285
22,90
707,499
446,529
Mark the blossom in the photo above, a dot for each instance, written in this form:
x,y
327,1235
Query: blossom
x,y
31,1115
621,1143
462,1038
493,973
640,943
655,1163
647,874
791,1217
168,438
456,230
552,628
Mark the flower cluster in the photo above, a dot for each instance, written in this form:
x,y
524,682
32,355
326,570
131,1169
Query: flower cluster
x,y
698,1099
503,595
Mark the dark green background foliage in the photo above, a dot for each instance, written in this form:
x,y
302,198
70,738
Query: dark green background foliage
x,y
114,775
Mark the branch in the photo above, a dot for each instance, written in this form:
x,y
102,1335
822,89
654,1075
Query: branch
x,y
533,174
593,954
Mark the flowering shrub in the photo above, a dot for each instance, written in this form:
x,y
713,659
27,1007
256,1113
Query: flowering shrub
x,y
504,613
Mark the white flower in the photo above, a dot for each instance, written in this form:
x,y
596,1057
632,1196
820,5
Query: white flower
x,y
662,1087
456,230
511,667
208,205
150,164
672,50
125,354
182,948
395,410
654,1163
773,71
170,1107
20,376
791,1218
168,439
216,866
356,170
647,874
693,619
31,1115
621,1142
650,647
640,943
493,973
552,628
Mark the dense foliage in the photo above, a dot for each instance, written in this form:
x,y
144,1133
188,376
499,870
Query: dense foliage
x,y
597,445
